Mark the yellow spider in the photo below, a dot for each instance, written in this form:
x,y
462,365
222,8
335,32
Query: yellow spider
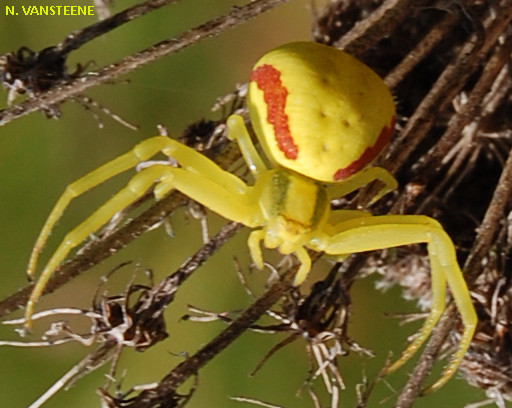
x,y
321,117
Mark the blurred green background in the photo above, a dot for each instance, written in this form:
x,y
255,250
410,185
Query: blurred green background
x,y
39,157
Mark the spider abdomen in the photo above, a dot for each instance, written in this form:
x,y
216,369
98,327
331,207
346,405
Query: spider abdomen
x,y
319,111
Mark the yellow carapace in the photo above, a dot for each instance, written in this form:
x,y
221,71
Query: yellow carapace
x,y
321,117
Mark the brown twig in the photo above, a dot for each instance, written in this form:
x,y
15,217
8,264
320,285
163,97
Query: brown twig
x,y
128,64
102,248
166,389
369,31
422,49
487,230
98,251
432,119
80,37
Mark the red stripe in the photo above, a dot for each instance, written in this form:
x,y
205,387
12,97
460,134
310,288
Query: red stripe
x,y
369,154
268,80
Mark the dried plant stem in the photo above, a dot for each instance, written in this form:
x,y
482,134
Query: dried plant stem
x,y
168,386
481,47
491,222
465,115
155,302
383,20
163,293
422,49
471,107
78,38
107,74
98,251
486,232
413,387
101,249
444,90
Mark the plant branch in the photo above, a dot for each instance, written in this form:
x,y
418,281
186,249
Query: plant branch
x,y
481,246
80,37
128,64
102,248
167,388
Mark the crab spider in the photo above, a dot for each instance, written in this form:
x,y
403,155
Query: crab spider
x,y
321,117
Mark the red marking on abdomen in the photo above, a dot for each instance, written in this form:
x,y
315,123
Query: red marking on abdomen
x,y
268,80
369,154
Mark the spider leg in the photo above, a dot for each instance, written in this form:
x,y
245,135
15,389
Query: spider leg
x,y
141,152
200,179
238,131
253,242
195,162
187,157
438,287
371,233
360,179
305,265
230,203
338,216
137,186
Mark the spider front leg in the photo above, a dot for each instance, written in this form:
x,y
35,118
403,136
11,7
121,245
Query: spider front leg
x,y
371,233
362,178
187,157
238,131
199,178
137,186
141,152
